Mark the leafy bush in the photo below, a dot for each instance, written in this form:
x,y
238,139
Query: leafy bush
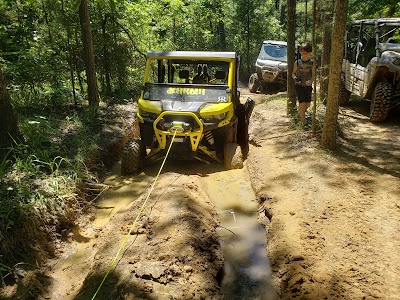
x,y
39,194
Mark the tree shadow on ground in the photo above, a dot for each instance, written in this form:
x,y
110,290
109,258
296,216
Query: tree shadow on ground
x,y
374,146
113,288
189,223
362,107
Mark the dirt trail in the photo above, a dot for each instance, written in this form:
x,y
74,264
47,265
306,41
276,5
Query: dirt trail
x,y
334,230
332,221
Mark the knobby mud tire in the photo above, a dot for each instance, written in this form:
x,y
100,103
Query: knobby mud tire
x,y
132,157
243,126
233,158
380,104
254,83
344,95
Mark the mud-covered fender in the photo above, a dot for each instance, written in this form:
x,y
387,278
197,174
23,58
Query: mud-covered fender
x,y
243,113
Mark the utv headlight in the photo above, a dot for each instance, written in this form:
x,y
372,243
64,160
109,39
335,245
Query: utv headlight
x,y
214,118
149,109
283,68
148,115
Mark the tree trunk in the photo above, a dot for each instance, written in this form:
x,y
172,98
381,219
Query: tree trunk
x,y
282,15
328,138
106,55
391,10
46,18
248,68
326,52
93,93
78,63
314,46
8,119
67,25
291,29
305,22
222,35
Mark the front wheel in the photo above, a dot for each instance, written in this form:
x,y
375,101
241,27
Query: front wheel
x,y
233,158
132,157
254,83
380,103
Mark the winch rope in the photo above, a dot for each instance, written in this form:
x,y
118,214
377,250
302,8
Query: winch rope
x,y
134,223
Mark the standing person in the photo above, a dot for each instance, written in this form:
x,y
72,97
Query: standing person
x,y
303,76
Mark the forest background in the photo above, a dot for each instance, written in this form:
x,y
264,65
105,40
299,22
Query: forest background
x,y
67,65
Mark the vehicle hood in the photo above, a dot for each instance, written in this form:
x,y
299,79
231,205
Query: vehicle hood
x,y
271,63
181,105
384,47
391,55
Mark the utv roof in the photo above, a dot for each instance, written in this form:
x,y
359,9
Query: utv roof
x,y
193,54
391,21
275,42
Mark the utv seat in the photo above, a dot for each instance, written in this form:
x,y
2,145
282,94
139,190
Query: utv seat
x,y
220,77
197,77
184,75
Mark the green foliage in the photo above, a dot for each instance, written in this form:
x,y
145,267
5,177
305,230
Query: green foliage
x,y
39,179
364,9
122,33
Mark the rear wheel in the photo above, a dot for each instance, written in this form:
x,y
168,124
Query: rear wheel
x,y
380,103
344,95
233,158
132,157
254,83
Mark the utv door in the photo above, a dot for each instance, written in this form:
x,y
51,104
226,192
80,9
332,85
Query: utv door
x,y
360,48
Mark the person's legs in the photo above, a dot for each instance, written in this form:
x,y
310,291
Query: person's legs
x,y
304,97
302,111
307,102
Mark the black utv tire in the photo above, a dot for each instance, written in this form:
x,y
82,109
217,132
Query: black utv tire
x,y
344,95
254,83
233,158
132,157
243,126
380,103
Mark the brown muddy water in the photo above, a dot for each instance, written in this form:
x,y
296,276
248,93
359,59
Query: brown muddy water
x,y
247,273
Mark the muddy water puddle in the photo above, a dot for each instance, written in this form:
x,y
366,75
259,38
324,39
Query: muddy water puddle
x,y
124,190
247,274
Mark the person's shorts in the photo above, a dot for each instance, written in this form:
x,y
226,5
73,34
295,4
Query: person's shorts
x,y
303,93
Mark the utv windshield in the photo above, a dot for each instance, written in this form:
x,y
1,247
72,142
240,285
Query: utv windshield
x,y
187,80
188,72
273,52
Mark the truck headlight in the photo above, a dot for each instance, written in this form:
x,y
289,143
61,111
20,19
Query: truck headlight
x,y
148,115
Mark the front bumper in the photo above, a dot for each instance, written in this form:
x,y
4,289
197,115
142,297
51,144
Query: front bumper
x,y
272,74
180,128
